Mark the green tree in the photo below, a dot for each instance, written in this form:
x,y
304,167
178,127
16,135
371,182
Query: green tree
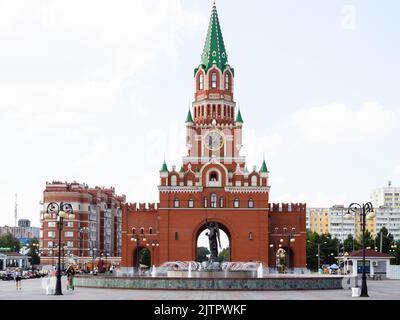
x,y
224,255
387,240
33,247
395,252
351,244
202,253
369,240
9,241
328,249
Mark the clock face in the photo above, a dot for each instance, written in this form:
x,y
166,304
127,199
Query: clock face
x,y
214,140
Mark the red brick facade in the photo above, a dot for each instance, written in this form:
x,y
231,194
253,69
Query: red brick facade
x,y
96,228
214,184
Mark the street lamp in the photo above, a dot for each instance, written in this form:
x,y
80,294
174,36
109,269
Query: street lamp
x,y
366,211
290,238
62,211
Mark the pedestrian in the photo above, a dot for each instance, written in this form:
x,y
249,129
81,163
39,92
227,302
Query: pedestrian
x,y
70,277
18,277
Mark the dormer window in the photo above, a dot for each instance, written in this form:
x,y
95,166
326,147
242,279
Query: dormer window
x,y
201,82
214,80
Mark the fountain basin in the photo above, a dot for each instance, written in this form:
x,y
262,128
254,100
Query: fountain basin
x,y
272,282
211,274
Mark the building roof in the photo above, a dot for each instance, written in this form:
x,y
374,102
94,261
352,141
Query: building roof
x,y
189,118
214,48
239,118
13,254
264,167
164,167
369,254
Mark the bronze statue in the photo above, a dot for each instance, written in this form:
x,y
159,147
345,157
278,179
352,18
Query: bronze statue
x,y
214,239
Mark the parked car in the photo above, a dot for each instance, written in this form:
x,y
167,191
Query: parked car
x,y
8,276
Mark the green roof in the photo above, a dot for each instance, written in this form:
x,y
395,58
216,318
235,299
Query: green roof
x,y
264,167
214,48
197,169
164,167
189,118
239,117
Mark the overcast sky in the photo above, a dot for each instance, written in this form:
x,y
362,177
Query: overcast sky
x,y
98,92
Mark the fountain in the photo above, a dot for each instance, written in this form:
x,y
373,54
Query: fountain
x,y
153,271
260,272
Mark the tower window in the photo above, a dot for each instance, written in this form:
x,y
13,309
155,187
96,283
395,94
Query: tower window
x,y
250,235
214,80
213,176
176,203
236,203
150,230
176,235
227,82
201,82
190,203
173,181
133,230
254,181
141,230
213,202
251,203
205,202
221,202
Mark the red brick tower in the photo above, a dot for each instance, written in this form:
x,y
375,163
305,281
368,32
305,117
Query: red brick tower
x,y
214,183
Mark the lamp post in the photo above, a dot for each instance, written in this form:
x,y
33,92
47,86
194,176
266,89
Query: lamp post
x,y
366,211
62,211
290,237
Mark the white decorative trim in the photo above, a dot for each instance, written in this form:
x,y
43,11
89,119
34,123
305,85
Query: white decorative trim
x,y
247,189
180,189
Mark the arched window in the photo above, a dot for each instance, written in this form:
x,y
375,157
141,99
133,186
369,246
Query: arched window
x,y
133,230
176,203
205,202
221,202
214,80
251,203
142,230
250,235
150,230
201,82
173,181
191,203
254,181
213,202
236,203
227,84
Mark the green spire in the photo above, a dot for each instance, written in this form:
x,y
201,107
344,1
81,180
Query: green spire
x,y
214,48
197,169
264,168
239,117
182,169
164,167
189,118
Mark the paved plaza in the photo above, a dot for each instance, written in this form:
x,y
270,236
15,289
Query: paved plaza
x,y
32,290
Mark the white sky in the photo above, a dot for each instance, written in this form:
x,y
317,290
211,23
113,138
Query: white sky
x,y
98,92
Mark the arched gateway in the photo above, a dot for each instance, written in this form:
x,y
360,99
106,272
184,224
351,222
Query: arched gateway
x,y
214,182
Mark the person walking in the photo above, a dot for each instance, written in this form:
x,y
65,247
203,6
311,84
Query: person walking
x,y
18,277
70,277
